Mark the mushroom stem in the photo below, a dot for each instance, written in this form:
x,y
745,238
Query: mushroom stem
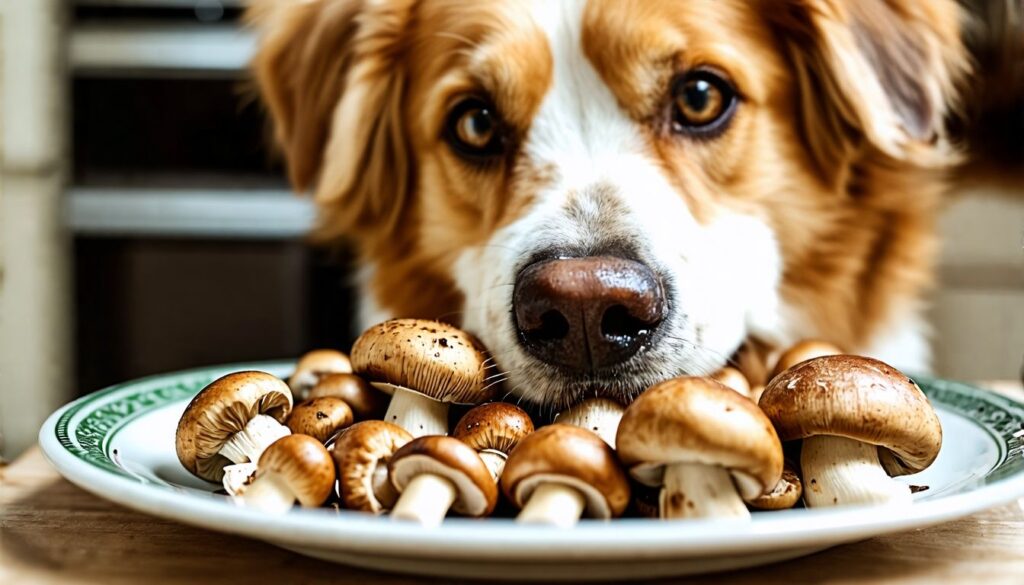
x,y
382,488
268,493
494,460
696,490
237,477
416,413
249,443
600,416
426,500
555,504
840,472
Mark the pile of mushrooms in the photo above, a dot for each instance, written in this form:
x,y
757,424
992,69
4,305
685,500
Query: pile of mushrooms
x,y
371,432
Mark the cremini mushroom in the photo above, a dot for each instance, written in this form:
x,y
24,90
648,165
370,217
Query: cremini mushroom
x,y
493,429
361,456
733,378
861,421
425,366
313,366
231,421
600,416
707,446
321,418
366,402
801,352
434,474
296,467
784,495
560,472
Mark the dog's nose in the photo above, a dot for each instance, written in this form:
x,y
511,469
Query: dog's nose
x,y
587,313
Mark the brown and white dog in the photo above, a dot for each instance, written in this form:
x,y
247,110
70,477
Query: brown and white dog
x,y
613,192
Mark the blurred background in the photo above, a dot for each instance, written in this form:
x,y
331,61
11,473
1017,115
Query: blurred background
x,y
145,225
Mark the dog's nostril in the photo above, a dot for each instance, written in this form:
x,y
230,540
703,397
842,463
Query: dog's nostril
x,y
553,326
618,323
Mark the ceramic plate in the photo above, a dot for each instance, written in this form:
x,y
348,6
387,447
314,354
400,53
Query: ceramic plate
x,y
118,443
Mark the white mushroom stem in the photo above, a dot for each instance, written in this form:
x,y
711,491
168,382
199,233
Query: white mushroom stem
x,y
426,500
843,472
600,416
555,504
416,413
382,488
696,490
237,477
249,443
268,493
494,460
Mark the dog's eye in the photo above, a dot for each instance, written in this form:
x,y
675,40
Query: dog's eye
x,y
701,102
473,129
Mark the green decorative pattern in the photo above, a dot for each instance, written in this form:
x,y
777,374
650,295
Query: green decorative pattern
x,y
90,441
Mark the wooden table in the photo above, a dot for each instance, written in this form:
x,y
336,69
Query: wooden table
x,y
53,532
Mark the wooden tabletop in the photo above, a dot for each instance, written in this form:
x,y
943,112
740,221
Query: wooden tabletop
x,y
53,532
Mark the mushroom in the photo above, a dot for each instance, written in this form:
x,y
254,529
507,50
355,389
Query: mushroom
x,y
801,352
784,495
707,446
231,421
600,416
424,365
296,467
493,429
434,474
313,366
733,378
861,421
238,477
365,402
560,472
321,418
361,455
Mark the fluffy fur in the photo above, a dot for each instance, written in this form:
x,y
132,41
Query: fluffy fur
x,y
811,215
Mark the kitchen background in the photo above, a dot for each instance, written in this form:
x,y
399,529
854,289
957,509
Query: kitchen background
x,y
145,226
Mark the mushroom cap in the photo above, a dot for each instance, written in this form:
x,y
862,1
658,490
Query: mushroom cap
x,y
429,357
733,378
315,364
366,403
699,420
784,495
452,459
222,409
304,464
357,453
496,425
858,398
320,418
802,351
568,455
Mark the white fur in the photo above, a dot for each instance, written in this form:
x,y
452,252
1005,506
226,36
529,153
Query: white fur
x,y
903,344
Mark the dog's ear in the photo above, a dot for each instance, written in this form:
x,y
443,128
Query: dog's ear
x,y
328,71
876,73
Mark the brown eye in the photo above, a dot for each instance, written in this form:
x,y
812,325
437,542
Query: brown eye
x,y
702,102
473,129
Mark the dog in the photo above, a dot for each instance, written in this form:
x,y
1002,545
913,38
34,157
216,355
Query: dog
x,y
609,193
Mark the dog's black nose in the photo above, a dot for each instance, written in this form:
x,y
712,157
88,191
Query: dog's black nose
x,y
587,313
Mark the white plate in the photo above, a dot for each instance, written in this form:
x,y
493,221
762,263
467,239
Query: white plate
x,y
118,443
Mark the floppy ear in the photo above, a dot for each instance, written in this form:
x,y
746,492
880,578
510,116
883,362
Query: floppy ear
x,y
328,71
877,73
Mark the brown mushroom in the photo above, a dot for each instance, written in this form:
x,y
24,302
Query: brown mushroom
x,y
361,456
296,467
709,448
733,378
231,421
600,416
493,429
434,474
313,366
320,418
801,352
784,495
425,366
366,403
861,421
560,472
